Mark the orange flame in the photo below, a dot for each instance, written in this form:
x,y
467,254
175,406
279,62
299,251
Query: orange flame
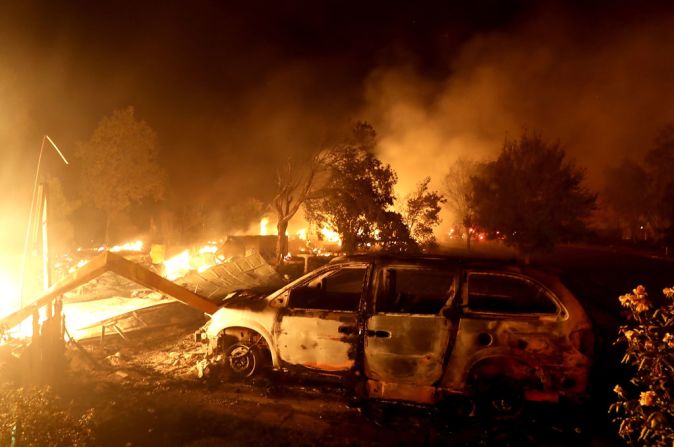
x,y
188,260
264,222
331,235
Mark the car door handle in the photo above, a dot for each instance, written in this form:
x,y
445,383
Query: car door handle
x,y
347,330
378,334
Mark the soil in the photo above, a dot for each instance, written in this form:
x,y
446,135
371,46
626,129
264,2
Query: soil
x,y
145,392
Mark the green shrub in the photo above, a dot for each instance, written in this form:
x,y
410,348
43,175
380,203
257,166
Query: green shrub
x,y
645,408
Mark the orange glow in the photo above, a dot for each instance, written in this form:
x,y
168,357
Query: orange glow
x,y
81,263
9,288
189,260
330,235
263,226
129,246
178,265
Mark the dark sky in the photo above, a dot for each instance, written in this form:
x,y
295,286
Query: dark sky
x,y
232,88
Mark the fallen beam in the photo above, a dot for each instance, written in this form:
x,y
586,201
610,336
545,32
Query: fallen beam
x,y
110,262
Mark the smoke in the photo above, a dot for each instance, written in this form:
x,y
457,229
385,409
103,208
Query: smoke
x,y
602,88
231,97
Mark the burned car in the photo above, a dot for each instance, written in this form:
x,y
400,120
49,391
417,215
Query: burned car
x,y
415,329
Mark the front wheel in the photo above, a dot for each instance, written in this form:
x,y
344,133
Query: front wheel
x,y
241,360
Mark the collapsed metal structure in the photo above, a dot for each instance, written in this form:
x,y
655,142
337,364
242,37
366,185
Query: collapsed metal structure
x,y
45,355
110,262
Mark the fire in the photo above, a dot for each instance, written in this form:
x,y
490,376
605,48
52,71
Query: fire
x,y
263,226
81,263
208,249
198,259
331,235
9,288
178,265
302,234
129,246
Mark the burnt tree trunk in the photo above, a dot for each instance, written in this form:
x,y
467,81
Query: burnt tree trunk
x,y
281,241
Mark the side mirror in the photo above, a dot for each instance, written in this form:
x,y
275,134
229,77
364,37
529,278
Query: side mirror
x,y
281,300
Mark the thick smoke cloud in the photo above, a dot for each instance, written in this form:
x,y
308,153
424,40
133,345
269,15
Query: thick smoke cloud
x,y
231,95
603,95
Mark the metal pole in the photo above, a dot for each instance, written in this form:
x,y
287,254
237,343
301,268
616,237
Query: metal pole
x,y
29,227
46,259
24,258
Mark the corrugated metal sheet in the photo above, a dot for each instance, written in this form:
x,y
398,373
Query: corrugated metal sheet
x,y
249,272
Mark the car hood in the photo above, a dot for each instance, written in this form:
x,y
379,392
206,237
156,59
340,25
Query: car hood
x,y
246,299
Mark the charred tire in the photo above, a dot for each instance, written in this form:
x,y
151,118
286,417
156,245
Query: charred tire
x,y
500,397
241,360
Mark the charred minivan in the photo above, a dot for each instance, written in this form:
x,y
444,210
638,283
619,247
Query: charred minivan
x,y
415,329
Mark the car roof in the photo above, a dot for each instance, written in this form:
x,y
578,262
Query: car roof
x,y
545,275
468,260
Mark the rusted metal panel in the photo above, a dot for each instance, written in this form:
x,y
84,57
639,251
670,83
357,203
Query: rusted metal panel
x,y
406,348
151,280
535,353
250,272
401,391
325,342
117,264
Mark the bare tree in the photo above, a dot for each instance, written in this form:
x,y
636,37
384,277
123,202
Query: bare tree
x,y
459,193
294,184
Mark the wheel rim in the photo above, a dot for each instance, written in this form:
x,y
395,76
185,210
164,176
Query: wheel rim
x,y
241,360
503,405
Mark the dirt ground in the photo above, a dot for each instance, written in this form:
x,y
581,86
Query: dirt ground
x,y
145,392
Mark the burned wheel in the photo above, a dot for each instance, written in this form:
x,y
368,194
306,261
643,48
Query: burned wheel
x,y
241,360
501,398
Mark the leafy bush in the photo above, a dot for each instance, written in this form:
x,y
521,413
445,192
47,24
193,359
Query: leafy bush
x,y
645,410
35,417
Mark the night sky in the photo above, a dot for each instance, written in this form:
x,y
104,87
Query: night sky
x,y
233,88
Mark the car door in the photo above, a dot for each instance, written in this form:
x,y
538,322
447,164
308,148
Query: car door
x,y
410,327
507,313
318,329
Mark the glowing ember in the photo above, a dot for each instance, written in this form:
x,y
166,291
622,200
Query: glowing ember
x,y
129,246
263,226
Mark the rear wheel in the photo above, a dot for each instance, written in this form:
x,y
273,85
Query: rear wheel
x,y
500,397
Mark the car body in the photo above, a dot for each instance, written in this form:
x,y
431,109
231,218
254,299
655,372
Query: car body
x,y
419,329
